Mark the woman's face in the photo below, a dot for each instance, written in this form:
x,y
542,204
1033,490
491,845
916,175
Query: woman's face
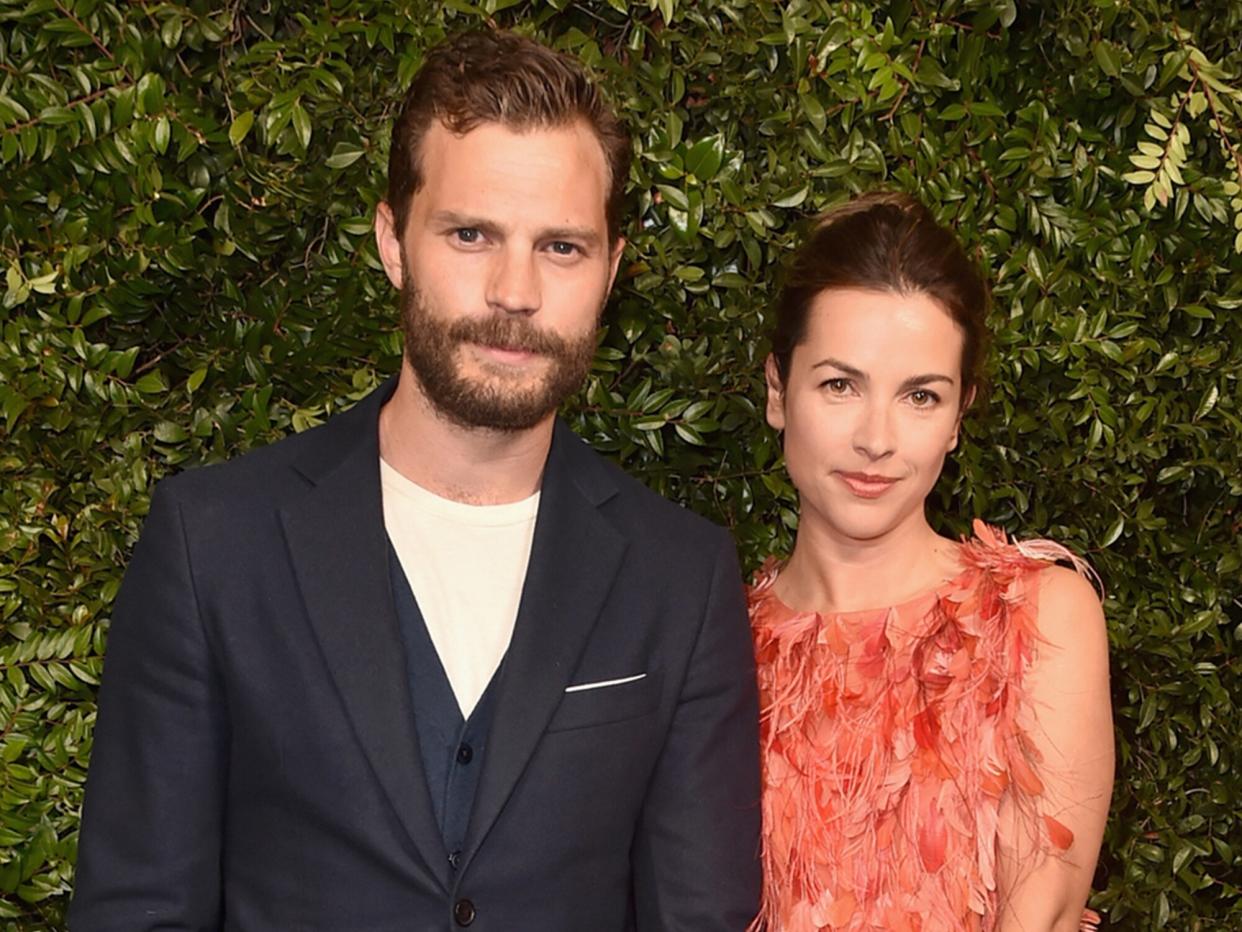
x,y
870,407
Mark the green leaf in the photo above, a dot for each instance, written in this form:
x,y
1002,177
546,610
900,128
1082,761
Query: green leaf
x,y
168,432
674,197
813,110
985,108
688,433
241,126
1207,403
1114,532
301,125
151,93
1108,58
794,198
705,158
1174,62
170,33
343,155
161,135
151,383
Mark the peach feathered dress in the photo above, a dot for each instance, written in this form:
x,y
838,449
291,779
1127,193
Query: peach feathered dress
x,y
890,739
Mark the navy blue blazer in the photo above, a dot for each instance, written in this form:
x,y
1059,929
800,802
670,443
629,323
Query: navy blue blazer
x,y
256,765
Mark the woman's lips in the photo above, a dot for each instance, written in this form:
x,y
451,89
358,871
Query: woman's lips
x,y
865,485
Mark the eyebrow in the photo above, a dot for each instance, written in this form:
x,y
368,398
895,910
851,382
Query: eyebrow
x,y
918,381
451,218
915,381
844,367
584,235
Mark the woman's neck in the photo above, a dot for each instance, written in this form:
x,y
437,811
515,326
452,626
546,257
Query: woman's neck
x,y
830,572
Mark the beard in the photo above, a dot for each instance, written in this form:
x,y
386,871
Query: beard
x,y
502,402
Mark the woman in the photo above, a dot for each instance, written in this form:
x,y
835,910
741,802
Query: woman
x,y
937,732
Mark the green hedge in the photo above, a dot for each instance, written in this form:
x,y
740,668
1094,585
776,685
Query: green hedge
x,y
185,213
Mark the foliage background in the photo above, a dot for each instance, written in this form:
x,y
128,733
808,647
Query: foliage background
x,y
184,222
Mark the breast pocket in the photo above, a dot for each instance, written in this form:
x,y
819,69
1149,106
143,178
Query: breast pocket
x,y
586,705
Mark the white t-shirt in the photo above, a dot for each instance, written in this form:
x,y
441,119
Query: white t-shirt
x,y
466,565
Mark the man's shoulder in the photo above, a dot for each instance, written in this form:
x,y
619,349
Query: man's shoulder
x,y
272,473
644,512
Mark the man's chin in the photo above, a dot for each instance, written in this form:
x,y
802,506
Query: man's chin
x,y
507,419
502,403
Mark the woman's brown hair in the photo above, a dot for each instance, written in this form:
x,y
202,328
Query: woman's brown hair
x,y
890,242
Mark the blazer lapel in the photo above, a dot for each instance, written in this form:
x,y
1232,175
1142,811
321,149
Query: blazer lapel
x,y
339,551
575,556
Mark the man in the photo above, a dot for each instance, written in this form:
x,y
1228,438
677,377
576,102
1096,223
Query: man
x,y
435,664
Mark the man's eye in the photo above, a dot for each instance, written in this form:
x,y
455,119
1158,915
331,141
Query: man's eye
x,y
467,235
562,248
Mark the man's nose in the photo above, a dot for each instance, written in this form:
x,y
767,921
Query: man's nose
x,y
513,285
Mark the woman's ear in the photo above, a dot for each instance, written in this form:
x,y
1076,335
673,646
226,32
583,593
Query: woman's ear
x,y
776,393
957,427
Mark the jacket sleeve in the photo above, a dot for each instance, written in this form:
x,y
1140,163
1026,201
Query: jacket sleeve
x,y
149,849
696,855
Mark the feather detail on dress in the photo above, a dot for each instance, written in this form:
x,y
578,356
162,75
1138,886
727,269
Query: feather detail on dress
x,y
891,739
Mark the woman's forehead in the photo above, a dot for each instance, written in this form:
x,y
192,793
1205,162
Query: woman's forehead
x,y
890,329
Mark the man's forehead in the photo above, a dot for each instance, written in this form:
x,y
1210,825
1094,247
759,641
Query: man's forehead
x,y
573,139
492,167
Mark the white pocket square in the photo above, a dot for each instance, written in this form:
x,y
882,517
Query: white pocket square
x,y
580,687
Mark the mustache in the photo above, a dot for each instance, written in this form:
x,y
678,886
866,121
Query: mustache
x,y
510,333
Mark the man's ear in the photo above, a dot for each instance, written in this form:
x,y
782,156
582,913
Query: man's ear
x,y
776,393
957,427
614,261
388,243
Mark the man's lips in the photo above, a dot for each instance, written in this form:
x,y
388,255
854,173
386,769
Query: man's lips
x,y
509,354
867,485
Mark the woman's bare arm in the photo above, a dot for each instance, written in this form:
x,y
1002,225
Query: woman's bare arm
x,y
1073,731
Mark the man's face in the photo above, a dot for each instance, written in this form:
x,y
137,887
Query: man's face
x,y
503,268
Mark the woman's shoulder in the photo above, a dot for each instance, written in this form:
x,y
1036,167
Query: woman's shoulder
x,y
1070,614
1062,585
991,551
767,612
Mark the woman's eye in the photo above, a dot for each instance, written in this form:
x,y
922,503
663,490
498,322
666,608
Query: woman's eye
x,y
923,398
837,386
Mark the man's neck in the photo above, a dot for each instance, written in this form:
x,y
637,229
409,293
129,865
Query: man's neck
x,y
472,465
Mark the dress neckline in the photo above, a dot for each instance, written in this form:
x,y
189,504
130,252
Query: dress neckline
x,y
764,589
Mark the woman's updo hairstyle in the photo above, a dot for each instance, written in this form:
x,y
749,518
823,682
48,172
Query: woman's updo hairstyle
x,y
890,242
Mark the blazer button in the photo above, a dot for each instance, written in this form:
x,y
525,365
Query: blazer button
x,y
465,753
463,912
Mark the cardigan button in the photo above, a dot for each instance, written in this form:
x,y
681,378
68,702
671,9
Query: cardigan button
x,y
463,912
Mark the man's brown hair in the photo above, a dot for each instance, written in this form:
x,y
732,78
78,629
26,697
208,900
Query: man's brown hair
x,y
499,77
